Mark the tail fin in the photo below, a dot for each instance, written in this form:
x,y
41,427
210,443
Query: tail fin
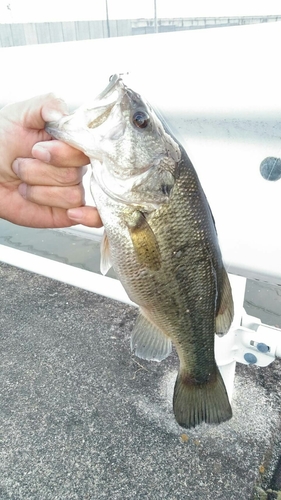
x,y
195,403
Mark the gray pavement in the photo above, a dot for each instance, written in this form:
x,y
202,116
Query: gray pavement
x,y
84,419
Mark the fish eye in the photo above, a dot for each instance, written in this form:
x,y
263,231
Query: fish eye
x,y
141,119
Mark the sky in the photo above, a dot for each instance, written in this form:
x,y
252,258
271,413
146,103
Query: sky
x,y
63,10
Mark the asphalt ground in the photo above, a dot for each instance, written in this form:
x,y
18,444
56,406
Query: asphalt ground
x,y
82,418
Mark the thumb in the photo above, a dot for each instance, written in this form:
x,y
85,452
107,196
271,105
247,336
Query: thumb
x,y
35,112
53,109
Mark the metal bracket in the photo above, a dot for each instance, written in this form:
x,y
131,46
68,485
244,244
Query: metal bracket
x,y
256,343
249,341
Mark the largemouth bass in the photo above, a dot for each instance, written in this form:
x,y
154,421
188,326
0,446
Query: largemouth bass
x,y
161,240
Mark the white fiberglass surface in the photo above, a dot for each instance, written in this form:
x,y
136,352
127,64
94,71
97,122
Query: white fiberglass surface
x,y
219,91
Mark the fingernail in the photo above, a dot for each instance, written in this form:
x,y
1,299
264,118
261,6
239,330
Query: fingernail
x,y
22,190
40,152
15,167
75,213
51,114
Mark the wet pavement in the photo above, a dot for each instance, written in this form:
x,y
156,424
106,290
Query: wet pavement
x,y
84,419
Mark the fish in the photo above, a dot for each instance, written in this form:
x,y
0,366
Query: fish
x,y
161,240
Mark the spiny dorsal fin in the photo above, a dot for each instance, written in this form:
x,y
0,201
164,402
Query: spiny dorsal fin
x,y
105,263
144,241
148,341
226,310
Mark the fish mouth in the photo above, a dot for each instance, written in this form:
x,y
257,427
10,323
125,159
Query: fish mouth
x,y
86,118
123,94
115,81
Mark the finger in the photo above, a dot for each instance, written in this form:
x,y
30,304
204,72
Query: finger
x,y
54,196
88,216
35,172
59,154
14,208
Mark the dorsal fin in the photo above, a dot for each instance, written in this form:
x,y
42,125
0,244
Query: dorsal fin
x,y
148,341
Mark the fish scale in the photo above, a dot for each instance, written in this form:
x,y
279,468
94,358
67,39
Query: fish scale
x,y
161,240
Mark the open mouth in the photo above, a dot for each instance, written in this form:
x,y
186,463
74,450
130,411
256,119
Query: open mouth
x,y
90,117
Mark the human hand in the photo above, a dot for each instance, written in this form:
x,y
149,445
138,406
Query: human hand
x,y
40,178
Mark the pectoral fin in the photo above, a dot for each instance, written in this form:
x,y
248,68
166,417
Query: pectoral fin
x,y
149,342
105,263
144,241
226,309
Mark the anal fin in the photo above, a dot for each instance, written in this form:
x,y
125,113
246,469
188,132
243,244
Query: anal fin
x,y
148,341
